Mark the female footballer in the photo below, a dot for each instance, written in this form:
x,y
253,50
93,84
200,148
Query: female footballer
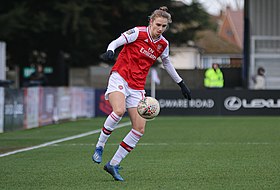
x,y
142,46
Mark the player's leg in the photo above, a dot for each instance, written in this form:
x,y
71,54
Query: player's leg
x,y
116,95
128,143
131,139
117,101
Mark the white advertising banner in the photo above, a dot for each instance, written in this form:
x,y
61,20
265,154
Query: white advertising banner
x,y
63,104
31,96
2,61
82,102
2,110
89,102
77,98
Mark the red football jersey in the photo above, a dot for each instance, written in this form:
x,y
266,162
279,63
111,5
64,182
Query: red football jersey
x,y
138,55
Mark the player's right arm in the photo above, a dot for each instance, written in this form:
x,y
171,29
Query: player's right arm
x,y
126,37
173,73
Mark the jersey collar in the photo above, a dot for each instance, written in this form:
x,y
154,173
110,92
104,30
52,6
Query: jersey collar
x,y
150,37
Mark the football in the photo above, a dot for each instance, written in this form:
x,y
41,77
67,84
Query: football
x,y
148,108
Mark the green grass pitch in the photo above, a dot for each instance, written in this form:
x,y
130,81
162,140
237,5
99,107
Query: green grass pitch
x,y
206,153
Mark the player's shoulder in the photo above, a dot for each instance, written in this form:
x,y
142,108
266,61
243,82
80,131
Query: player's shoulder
x,y
132,31
142,28
138,29
164,39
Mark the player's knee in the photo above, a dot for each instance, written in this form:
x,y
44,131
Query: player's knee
x,y
119,111
140,129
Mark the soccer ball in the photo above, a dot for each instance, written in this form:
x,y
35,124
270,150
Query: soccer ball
x,y
148,108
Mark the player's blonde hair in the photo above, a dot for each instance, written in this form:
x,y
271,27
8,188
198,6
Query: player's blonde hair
x,y
161,12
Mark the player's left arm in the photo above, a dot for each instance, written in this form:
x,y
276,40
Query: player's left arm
x,y
174,75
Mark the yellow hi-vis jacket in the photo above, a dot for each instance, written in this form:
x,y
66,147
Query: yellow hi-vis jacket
x,y
213,79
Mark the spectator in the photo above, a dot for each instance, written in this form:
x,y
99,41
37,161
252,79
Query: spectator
x,y
214,77
38,78
259,79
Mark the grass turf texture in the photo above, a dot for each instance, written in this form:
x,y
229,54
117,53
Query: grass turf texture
x,y
175,153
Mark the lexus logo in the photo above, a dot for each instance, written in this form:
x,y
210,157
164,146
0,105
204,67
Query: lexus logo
x,y
232,103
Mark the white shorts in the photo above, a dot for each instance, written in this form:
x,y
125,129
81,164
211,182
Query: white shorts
x,y
117,83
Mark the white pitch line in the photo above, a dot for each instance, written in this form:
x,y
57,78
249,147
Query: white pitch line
x,y
60,140
176,144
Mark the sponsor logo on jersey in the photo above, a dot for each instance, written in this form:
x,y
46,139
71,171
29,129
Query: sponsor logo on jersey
x,y
146,40
149,53
131,31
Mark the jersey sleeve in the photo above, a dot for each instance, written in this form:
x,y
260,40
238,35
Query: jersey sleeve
x,y
168,65
165,53
131,35
126,37
116,43
171,70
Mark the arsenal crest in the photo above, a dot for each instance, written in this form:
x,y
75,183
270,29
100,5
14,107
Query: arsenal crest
x,y
120,87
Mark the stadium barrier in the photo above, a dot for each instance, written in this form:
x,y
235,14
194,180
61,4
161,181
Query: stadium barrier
x,y
209,102
221,102
37,106
13,109
1,110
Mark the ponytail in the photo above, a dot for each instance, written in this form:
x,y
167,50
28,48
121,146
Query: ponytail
x,y
161,12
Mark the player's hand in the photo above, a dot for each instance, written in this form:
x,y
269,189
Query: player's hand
x,y
107,56
185,90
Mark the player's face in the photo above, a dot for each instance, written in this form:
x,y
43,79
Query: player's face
x,y
158,26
